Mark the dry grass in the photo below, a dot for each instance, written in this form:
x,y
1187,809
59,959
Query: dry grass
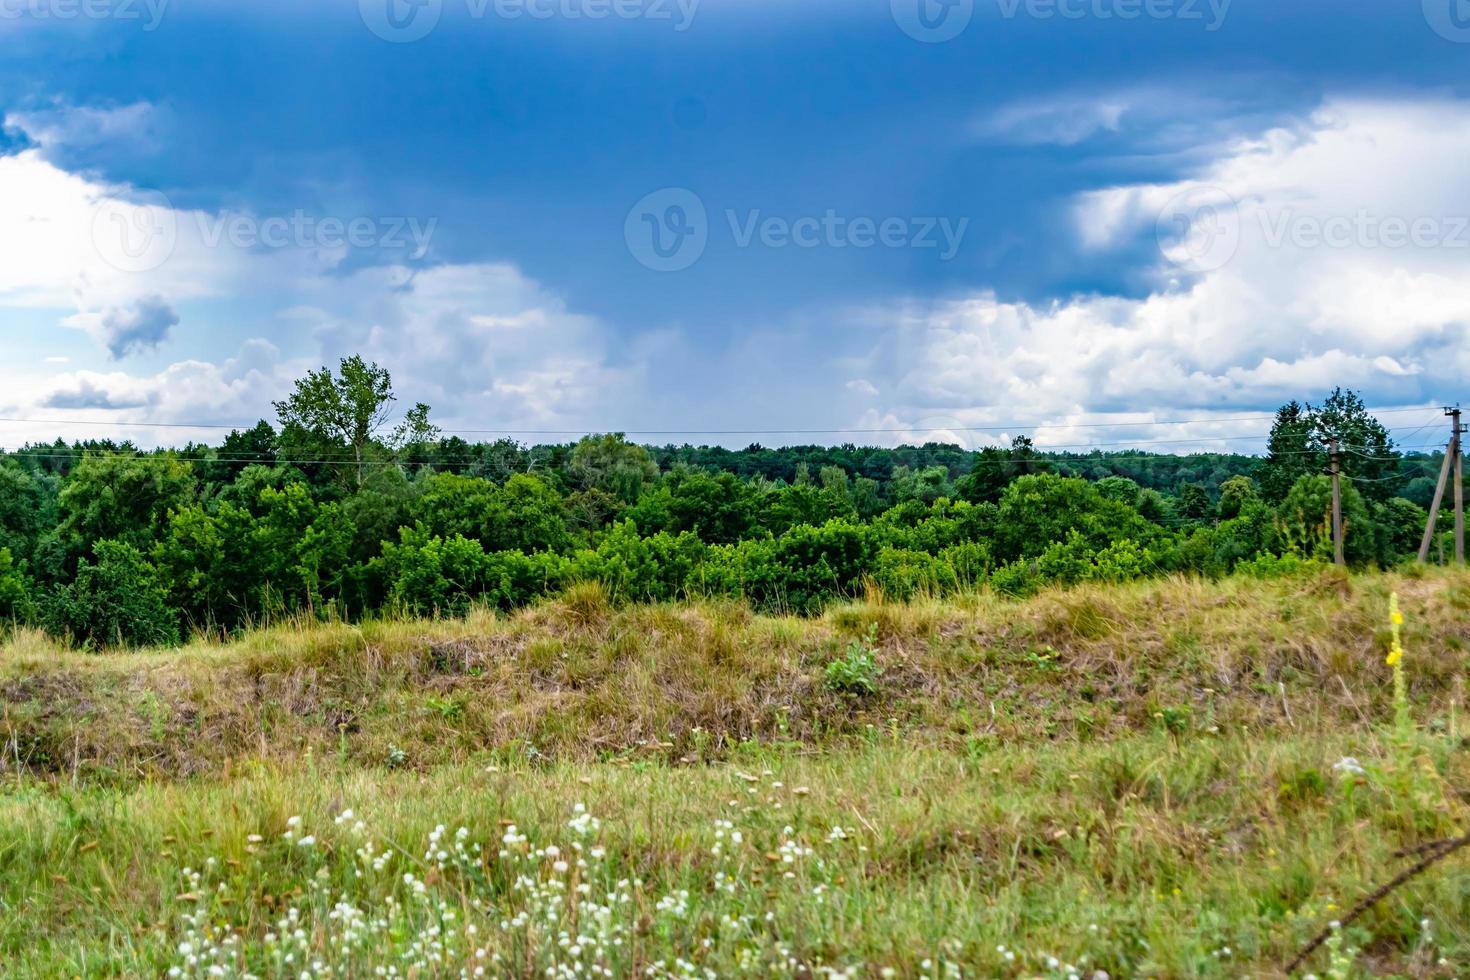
x,y
577,679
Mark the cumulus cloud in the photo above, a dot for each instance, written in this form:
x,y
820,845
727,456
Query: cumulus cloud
x,y
233,391
491,348
88,391
78,243
1299,272
483,343
139,327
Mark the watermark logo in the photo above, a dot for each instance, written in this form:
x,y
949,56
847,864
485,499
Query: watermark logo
x,y
1210,13
680,13
404,21
137,234
833,230
304,230
140,233
1199,229
400,21
932,21
936,21
1450,19
1364,230
667,231
148,12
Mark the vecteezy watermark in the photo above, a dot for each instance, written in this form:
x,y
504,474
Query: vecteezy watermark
x,y
149,12
140,233
1200,230
833,230
403,21
1364,230
932,21
1210,13
1450,19
136,234
668,231
309,231
935,21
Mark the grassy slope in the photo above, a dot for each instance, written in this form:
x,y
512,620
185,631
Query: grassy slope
x,y
1153,760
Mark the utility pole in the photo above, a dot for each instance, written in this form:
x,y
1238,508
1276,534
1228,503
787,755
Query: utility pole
x,y
1459,430
1452,464
1337,543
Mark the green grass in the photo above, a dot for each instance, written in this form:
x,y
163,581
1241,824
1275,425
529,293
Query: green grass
x,y
1136,780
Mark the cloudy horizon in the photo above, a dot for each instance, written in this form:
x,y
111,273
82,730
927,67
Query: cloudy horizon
x,y
551,223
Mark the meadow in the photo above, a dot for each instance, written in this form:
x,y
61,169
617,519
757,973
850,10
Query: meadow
x,y
1166,778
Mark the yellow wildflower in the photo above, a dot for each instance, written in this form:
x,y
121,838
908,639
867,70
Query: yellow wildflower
x,y
1402,721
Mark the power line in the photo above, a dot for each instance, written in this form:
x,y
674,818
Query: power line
x,y
1096,452
900,430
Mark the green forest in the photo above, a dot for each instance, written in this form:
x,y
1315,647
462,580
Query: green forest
x,y
335,510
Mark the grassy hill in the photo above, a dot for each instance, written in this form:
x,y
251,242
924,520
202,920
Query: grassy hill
x,y
1165,779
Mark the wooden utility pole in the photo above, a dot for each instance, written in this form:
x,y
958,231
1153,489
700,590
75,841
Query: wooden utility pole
x,y
1459,431
1451,465
1337,542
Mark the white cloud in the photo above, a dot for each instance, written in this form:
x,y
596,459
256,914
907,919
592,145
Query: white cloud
x,y
61,125
1063,122
1284,317
139,326
491,348
482,343
1158,120
86,245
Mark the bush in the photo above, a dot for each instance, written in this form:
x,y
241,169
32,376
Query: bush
x,y
1269,566
639,569
15,596
1072,561
903,574
970,562
806,567
1305,522
434,575
428,574
1036,512
857,670
514,578
115,601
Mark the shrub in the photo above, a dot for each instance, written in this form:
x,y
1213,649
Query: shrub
x,y
1305,521
430,574
433,574
15,598
635,568
806,567
115,601
903,574
1038,511
857,670
970,562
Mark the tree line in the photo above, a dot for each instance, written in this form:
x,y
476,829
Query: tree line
x,y
333,511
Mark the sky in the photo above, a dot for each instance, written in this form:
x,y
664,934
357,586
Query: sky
x,y
1106,223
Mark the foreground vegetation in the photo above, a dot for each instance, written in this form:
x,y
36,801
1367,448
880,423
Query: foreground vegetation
x,y
1171,778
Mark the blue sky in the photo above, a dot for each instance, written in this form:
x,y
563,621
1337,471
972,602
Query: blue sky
x,y
880,230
